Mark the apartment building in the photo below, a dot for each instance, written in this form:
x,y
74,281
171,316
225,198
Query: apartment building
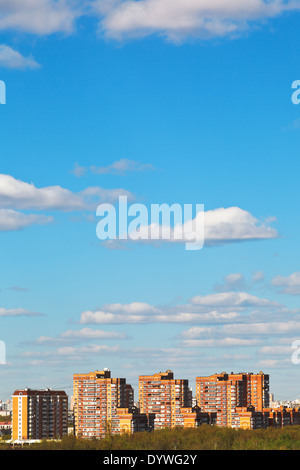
x,y
248,418
97,396
39,414
162,395
130,420
129,396
192,417
224,393
283,416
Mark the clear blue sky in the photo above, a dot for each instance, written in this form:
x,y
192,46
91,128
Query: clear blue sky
x,y
201,114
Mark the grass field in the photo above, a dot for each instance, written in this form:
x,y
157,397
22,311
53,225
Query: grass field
x,y
202,438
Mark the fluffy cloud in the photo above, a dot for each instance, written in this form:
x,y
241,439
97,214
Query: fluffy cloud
x,y
231,282
232,300
17,312
17,194
220,343
289,284
14,220
20,195
106,317
85,334
213,308
176,20
119,167
181,19
271,328
12,59
235,224
38,16
217,227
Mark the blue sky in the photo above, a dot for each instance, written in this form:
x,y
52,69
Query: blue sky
x,y
196,113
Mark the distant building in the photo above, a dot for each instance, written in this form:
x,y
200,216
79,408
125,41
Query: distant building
x,y
39,414
281,416
5,428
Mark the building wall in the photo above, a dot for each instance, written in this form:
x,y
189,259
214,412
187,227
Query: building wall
x,y
39,414
96,399
164,396
223,393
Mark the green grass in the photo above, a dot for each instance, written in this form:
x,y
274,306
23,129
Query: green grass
x,y
202,438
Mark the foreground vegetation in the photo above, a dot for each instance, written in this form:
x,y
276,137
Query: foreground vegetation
x,y
202,438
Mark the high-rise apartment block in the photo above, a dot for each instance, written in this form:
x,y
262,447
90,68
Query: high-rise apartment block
x,y
39,414
164,396
97,397
226,394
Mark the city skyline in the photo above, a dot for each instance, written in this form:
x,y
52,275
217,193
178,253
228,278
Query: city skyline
x,y
104,100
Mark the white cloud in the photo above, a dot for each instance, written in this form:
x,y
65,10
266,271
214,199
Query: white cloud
x,y
12,59
119,167
234,224
87,350
84,334
17,194
79,171
20,195
88,333
39,16
220,343
231,282
197,331
271,328
276,350
232,299
289,284
221,226
122,166
134,308
163,316
178,20
213,308
13,220
258,276
17,312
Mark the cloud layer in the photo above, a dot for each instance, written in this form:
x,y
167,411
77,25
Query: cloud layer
x,y
12,59
178,20
289,284
39,16
17,195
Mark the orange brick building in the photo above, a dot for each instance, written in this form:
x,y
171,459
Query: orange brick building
x,y
97,397
130,420
39,414
224,393
164,396
192,417
283,416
